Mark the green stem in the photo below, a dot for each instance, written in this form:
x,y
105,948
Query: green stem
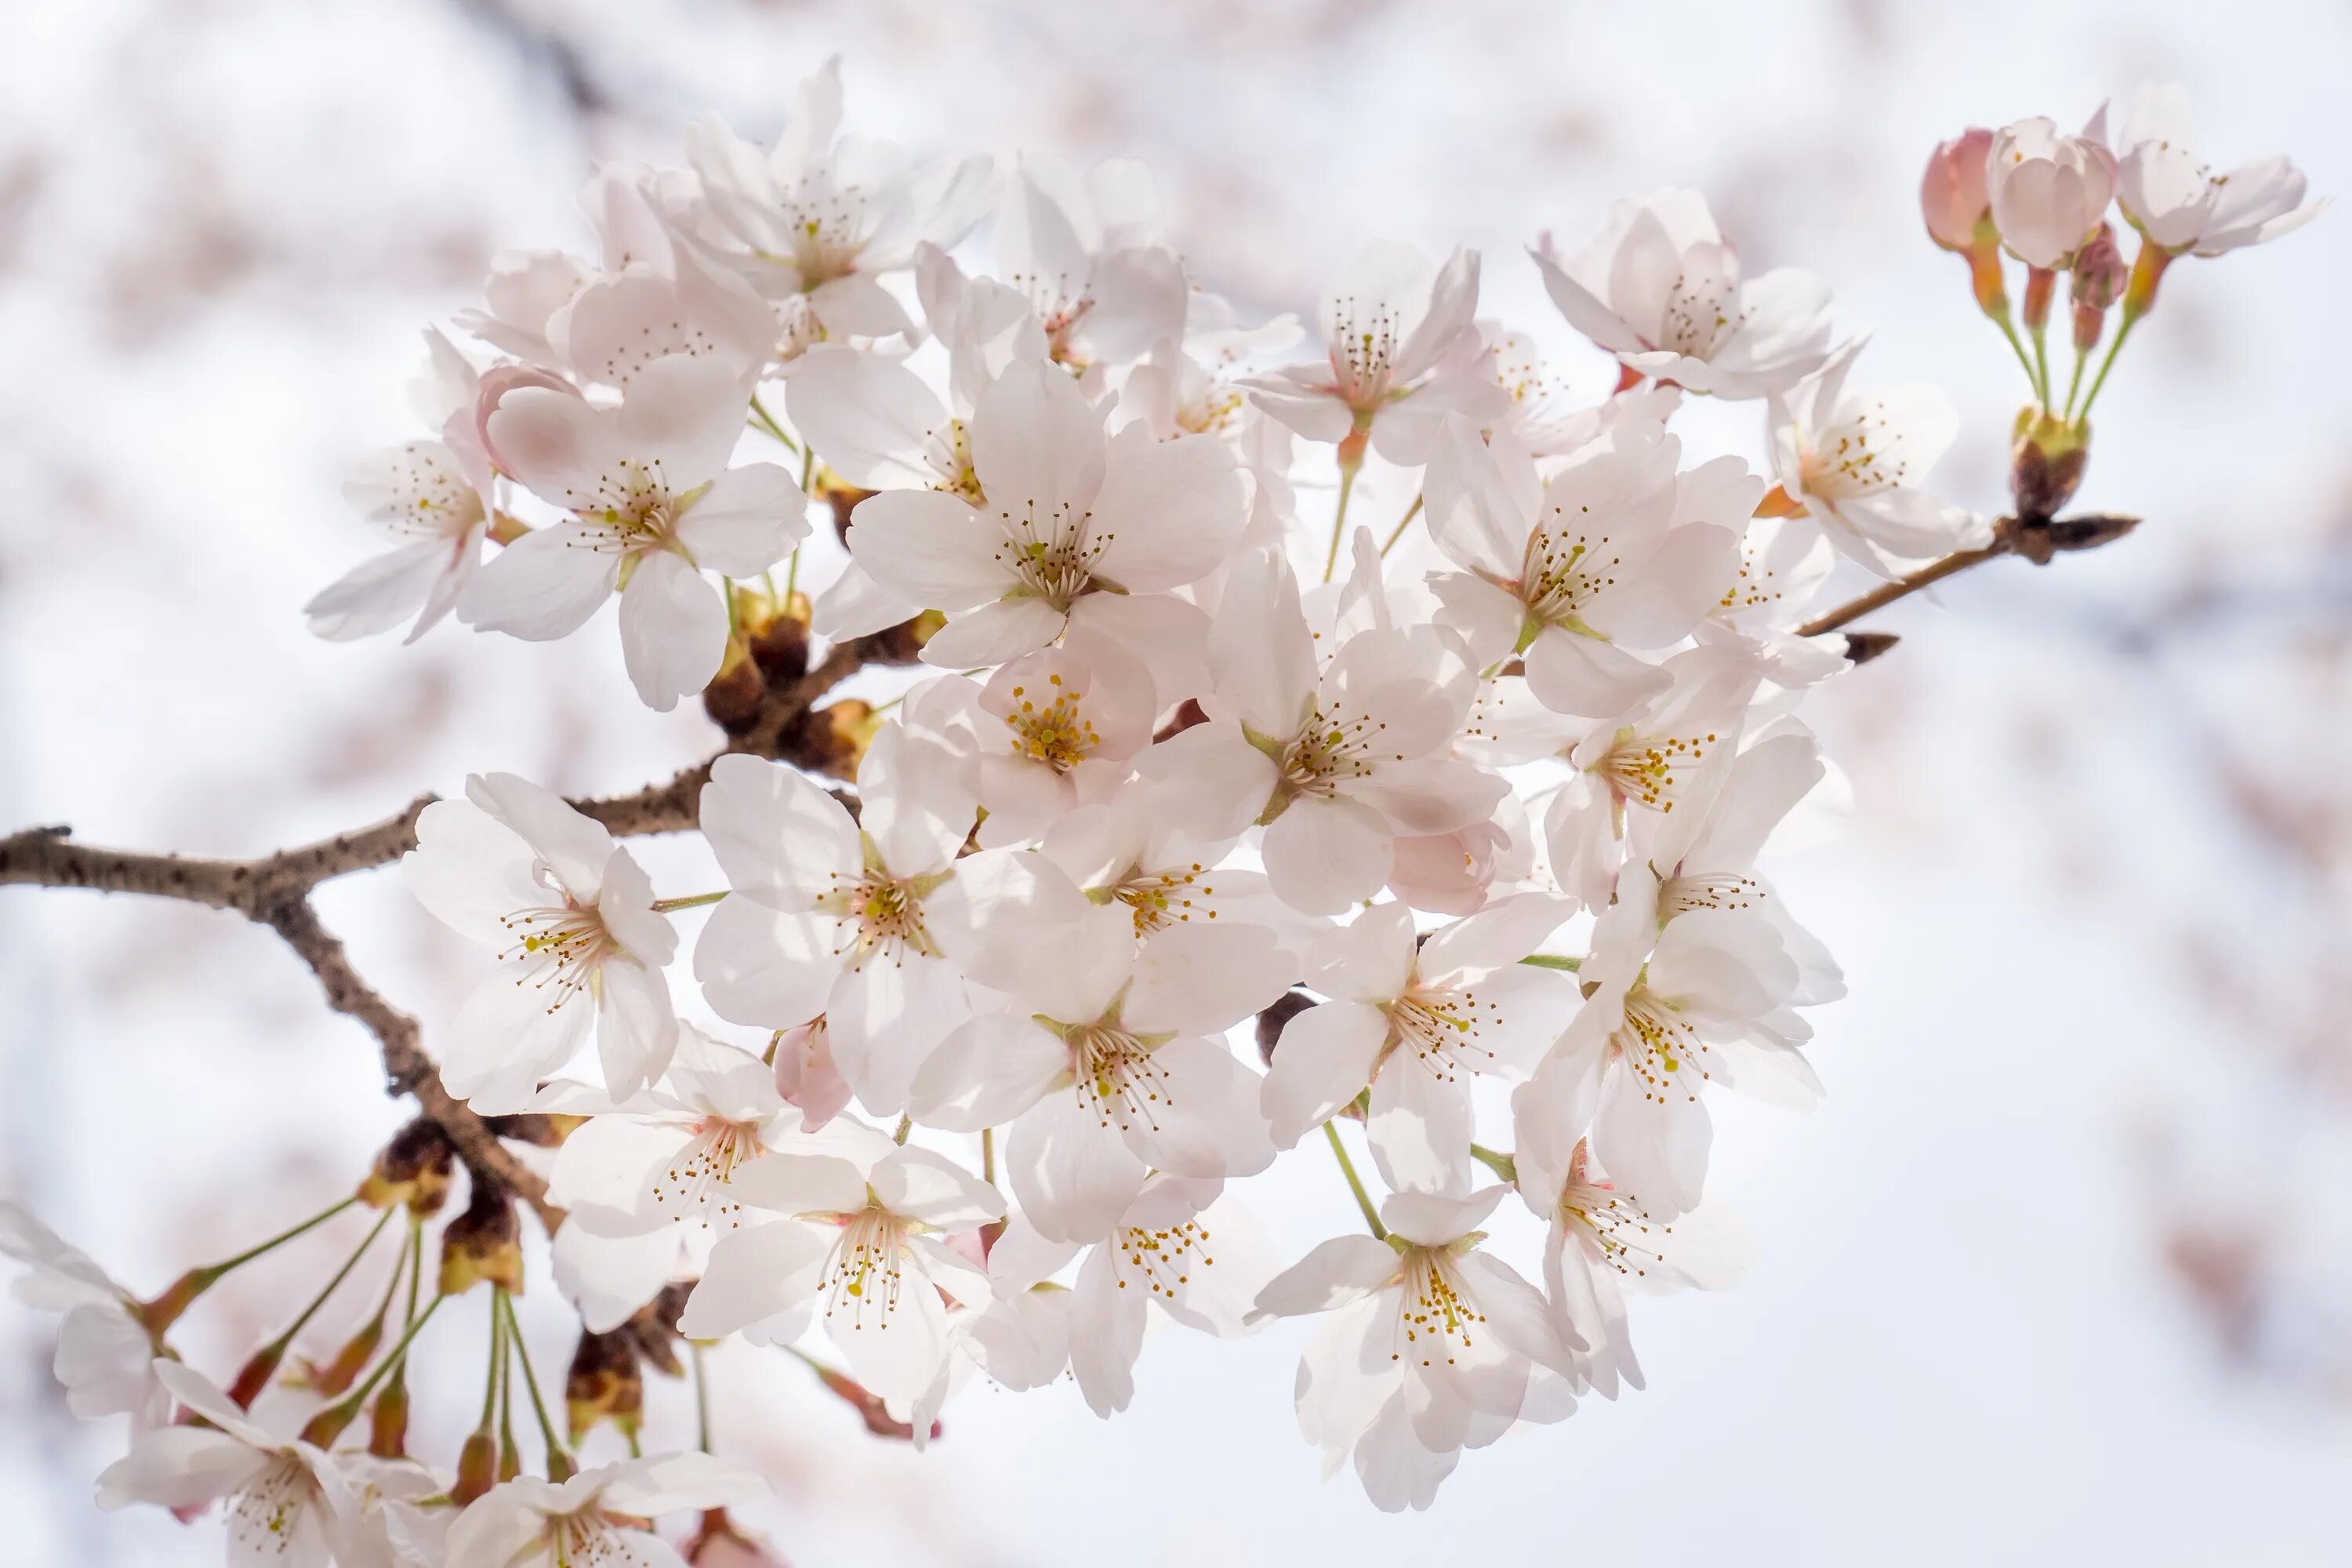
x,y
159,1314
2009,330
808,469
2114,348
1403,524
1553,961
767,421
1348,472
558,1457
510,1456
1355,1183
2041,365
2074,383
1502,1165
988,1155
497,1345
701,1398
327,1423
690,901
342,1274
792,579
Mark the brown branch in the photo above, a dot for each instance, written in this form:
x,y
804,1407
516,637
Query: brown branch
x,y
2037,542
275,890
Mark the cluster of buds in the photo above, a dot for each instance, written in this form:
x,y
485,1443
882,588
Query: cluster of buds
x,y
2044,198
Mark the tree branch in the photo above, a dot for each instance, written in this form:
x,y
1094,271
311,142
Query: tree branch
x,y
2035,540
275,890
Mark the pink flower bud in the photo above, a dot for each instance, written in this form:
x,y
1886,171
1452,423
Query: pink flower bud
x,y
806,1076
2048,191
1952,193
2099,272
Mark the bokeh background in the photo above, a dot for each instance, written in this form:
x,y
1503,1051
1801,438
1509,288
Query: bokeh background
x,y
2062,1269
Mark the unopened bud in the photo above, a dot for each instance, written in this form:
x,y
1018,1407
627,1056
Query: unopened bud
x,y
733,697
255,1376
2040,287
477,1468
1952,192
832,739
2098,282
604,1384
414,1168
2046,463
388,1417
483,1243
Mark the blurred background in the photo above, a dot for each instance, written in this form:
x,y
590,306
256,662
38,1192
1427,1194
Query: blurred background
x,y
2062,1269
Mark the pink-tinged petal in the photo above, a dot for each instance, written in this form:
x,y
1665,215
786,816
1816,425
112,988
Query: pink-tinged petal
x,y
855,604
1438,1219
858,306
1034,439
1514,1311
1448,313
1586,313
1322,1061
873,421
1105,1334
989,1070
929,549
1343,1269
554,443
1210,779
1204,979
1430,794
777,835
1325,855
746,520
992,633
378,594
1495,937
1168,513
1654,1143
763,966
683,414
753,1274
576,847
998,904
1300,398
925,1185
1667,594
1419,1127
543,587
673,630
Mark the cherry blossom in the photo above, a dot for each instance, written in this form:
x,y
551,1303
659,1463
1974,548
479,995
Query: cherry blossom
x,y
1401,349
105,1358
2048,190
597,1516
1858,460
1660,288
2177,200
651,506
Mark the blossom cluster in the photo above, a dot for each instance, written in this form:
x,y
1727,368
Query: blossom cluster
x,y
1201,826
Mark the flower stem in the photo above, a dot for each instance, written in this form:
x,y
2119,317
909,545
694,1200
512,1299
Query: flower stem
x,y
988,1155
1355,1183
2042,366
328,1424
1553,961
342,1274
558,1457
1502,1165
2017,344
701,1398
1348,472
690,901
1403,524
767,422
2100,380
159,1314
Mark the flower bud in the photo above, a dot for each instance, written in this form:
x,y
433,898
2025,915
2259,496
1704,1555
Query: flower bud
x,y
2048,191
495,383
2046,463
338,1374
806,1075
716,1543
255,1376
413,1169
388,1417
477,1468
603,1384
483,1243
1952,193
2098,282
832,739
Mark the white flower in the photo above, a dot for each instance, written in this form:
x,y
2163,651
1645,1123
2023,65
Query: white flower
x,y
1091,258
1338,761
1602,1243
105,1357
1137,849
2177,200
1574,570
1072,530
1109,1062
2049,191
1181,1245
652,506
1858,460
862,1246
1058,728
598,1517
1661,290
1401,349
1709,998
1667,752
290,1501
821,214
572,916
1432,1345
834,917
1417,1021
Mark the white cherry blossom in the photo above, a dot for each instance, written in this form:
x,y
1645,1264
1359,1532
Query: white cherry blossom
x,y
651,505
105,1358
600,1516
2049,191
570,914
2176,199
1661,288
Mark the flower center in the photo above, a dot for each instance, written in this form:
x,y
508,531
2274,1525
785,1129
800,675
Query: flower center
x,y
1707,891
557,949
1057,734
1363,350
1116,1075
691,1184
270,1508
1698,313
1052,556
1628,1239
880,917
1563,571
1848,459
1440,1028
1161,1259
1659,1046
1640,770
1433,1318
863,1275
1161,898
